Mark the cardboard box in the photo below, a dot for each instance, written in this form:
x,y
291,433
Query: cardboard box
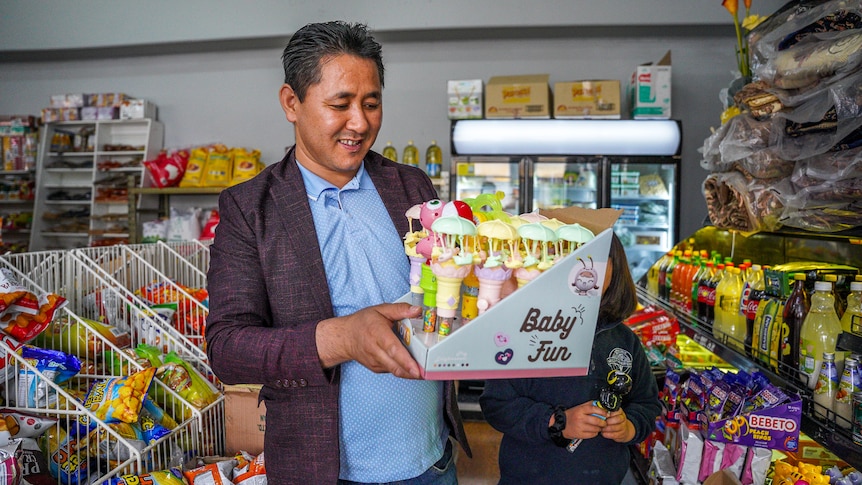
x,y
245,421
544,329
587,99
527,96
136,109
650,89
465,99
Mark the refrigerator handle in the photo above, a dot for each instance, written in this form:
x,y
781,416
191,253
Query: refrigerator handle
x,y
525,173
604,194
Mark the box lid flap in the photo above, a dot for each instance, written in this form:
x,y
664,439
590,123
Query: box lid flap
x,y
596,220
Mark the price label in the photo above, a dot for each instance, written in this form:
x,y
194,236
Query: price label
x,y
704,342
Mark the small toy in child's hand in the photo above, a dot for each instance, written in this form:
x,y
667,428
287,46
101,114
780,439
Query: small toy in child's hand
x,y
610,398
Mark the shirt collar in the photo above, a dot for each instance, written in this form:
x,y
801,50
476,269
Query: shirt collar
x,y
315,185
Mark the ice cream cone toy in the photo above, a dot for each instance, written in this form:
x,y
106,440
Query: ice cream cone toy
x,y
452,262
571,237
469,297
499,241
536,241
410,240
452,240
532,217
429,212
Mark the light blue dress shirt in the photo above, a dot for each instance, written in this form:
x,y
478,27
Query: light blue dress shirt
x,y
390,428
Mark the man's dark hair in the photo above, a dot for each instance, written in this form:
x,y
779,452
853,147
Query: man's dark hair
x,y
315,42
619,301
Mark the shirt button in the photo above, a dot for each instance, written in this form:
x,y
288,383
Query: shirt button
x,y
303,383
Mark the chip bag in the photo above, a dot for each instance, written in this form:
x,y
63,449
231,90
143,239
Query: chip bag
x,y
10,469
167,170
246,164
65,461
218,170
211,474
55,366
119,399
172,476
194,173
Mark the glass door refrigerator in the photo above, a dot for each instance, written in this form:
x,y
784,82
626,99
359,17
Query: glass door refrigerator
x,y
632,165
646,189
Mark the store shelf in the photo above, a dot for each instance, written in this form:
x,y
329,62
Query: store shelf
x,y
91,167
820,424
164,202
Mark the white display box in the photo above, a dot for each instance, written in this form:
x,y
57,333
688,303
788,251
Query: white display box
x,y
544,329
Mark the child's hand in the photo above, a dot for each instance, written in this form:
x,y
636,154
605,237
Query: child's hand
x,y
618,428
583,421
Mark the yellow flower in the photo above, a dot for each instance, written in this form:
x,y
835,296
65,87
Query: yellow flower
x,y
752,21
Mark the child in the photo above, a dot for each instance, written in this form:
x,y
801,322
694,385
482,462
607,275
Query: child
x,y
540,417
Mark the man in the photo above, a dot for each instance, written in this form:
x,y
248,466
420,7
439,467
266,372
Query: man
x,y
305,259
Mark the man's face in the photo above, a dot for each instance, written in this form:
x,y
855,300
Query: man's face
x,y
339,120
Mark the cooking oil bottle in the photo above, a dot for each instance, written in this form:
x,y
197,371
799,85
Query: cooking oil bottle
x,y
433,160
411,154
819,332
390,152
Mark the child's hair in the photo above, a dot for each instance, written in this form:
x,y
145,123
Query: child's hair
x,y
620,299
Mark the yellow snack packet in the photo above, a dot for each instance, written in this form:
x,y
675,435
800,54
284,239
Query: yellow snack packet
x,y
195,168
218,170
246,164
120,398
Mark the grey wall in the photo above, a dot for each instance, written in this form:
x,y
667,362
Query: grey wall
x,y
215,76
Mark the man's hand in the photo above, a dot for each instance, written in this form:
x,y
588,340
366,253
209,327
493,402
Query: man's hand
x,y
367,337
619,428
582,422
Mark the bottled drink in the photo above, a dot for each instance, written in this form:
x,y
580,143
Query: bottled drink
x,y
729,326
668,279
661,288
826,384
752,287
694,302
849,383
688,300
411,154
819,331
851,322
703,290
390,152
654,272
433,160
795,310
679,272
710,297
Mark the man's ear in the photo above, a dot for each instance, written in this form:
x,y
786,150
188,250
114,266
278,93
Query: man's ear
x,y
289,101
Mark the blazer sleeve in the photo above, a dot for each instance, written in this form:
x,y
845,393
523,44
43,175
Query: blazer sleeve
x,y
243,343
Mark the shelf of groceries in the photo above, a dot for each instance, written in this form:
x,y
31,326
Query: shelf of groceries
x,y
751,322
104,372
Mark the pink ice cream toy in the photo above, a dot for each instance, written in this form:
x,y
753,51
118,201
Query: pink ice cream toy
x,y
501,240
452,261
537,240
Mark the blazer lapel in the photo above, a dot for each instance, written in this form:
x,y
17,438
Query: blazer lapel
x,y
292,207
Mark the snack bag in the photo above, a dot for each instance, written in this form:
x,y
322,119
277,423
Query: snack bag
x,y
184,224
157,415
51,365
218,170
246,164
105,446
79,338
167,170
119,399
65,461
190,384
153,231
34,466
25,326
211,474
171,476
11,290
193,175
17,424
10,469
209,226
250,470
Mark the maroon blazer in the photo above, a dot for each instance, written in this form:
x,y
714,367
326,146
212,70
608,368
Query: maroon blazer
x,y
267,293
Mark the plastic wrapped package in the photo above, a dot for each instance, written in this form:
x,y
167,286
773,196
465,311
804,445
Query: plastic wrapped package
x,y
764,164
830,166
795,25
741,137
734,202
833,217
831,55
